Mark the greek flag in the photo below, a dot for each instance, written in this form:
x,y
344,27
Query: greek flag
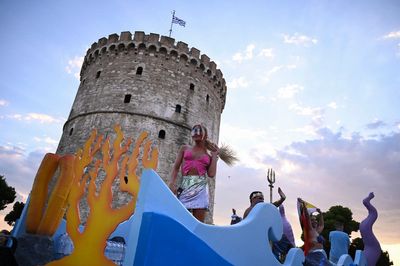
x,y
178,21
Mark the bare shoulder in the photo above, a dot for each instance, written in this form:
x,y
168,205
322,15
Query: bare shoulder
x,y
184,148
246,212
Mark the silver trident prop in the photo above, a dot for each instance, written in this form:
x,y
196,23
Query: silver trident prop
x,y
271,181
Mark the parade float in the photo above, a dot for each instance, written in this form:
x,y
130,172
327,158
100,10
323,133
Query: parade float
x,y
153,228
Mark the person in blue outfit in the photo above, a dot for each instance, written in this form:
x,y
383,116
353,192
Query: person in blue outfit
x,y
340,243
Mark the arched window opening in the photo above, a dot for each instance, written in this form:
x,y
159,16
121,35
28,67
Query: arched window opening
x,y
98,74
121,47
139,71
193,62
163,51
191,86
71,131
142,46
178,108
131,46
161,134
127,98
152,49
184,58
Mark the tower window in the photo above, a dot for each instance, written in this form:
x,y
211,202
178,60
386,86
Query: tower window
x,y
127,98
161,134
208,98
98,74
71,130
191,86
139,71
178,108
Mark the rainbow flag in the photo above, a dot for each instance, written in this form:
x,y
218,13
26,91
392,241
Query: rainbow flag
x,y
305,209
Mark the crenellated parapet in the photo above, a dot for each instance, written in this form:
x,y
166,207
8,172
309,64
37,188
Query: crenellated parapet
x,y
158,45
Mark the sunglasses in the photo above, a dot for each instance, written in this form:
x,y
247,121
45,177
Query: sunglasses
x,y
197,131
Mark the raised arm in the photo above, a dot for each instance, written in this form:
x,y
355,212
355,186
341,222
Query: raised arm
x,y
282,198
212,169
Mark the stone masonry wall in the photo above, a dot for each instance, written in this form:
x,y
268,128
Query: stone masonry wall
x,y
141,83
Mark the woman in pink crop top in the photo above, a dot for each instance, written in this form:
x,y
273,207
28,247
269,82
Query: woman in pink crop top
x,y
195,164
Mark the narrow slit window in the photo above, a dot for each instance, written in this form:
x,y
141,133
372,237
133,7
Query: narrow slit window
x,y
127,98
178,108
71,131
139,71
98,74
208,98
161,134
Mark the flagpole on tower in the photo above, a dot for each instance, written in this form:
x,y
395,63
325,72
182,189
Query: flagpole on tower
x,y
172,22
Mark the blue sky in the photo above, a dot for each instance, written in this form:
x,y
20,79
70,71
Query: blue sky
x,y
313,91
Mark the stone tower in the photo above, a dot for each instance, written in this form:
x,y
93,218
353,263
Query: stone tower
x,y
146,83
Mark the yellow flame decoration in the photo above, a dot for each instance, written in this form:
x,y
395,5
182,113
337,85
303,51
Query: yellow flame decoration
x,y
89,245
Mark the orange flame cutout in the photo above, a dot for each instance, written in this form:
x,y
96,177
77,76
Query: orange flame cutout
x,y
90,244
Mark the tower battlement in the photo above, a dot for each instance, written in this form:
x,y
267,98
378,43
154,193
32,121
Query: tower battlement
x,y
146,83
157,45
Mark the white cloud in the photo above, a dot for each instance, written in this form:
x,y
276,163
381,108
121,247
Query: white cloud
x,y
268,53
298,39
308,130
392,35
289,91
332,105
250,144
240,82
74,66
276,69
41,118
246,55
306,110
328,171
3,102
18,167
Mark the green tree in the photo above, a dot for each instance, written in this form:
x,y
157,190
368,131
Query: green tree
x,y
384,259
339,214
7,193
13,215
